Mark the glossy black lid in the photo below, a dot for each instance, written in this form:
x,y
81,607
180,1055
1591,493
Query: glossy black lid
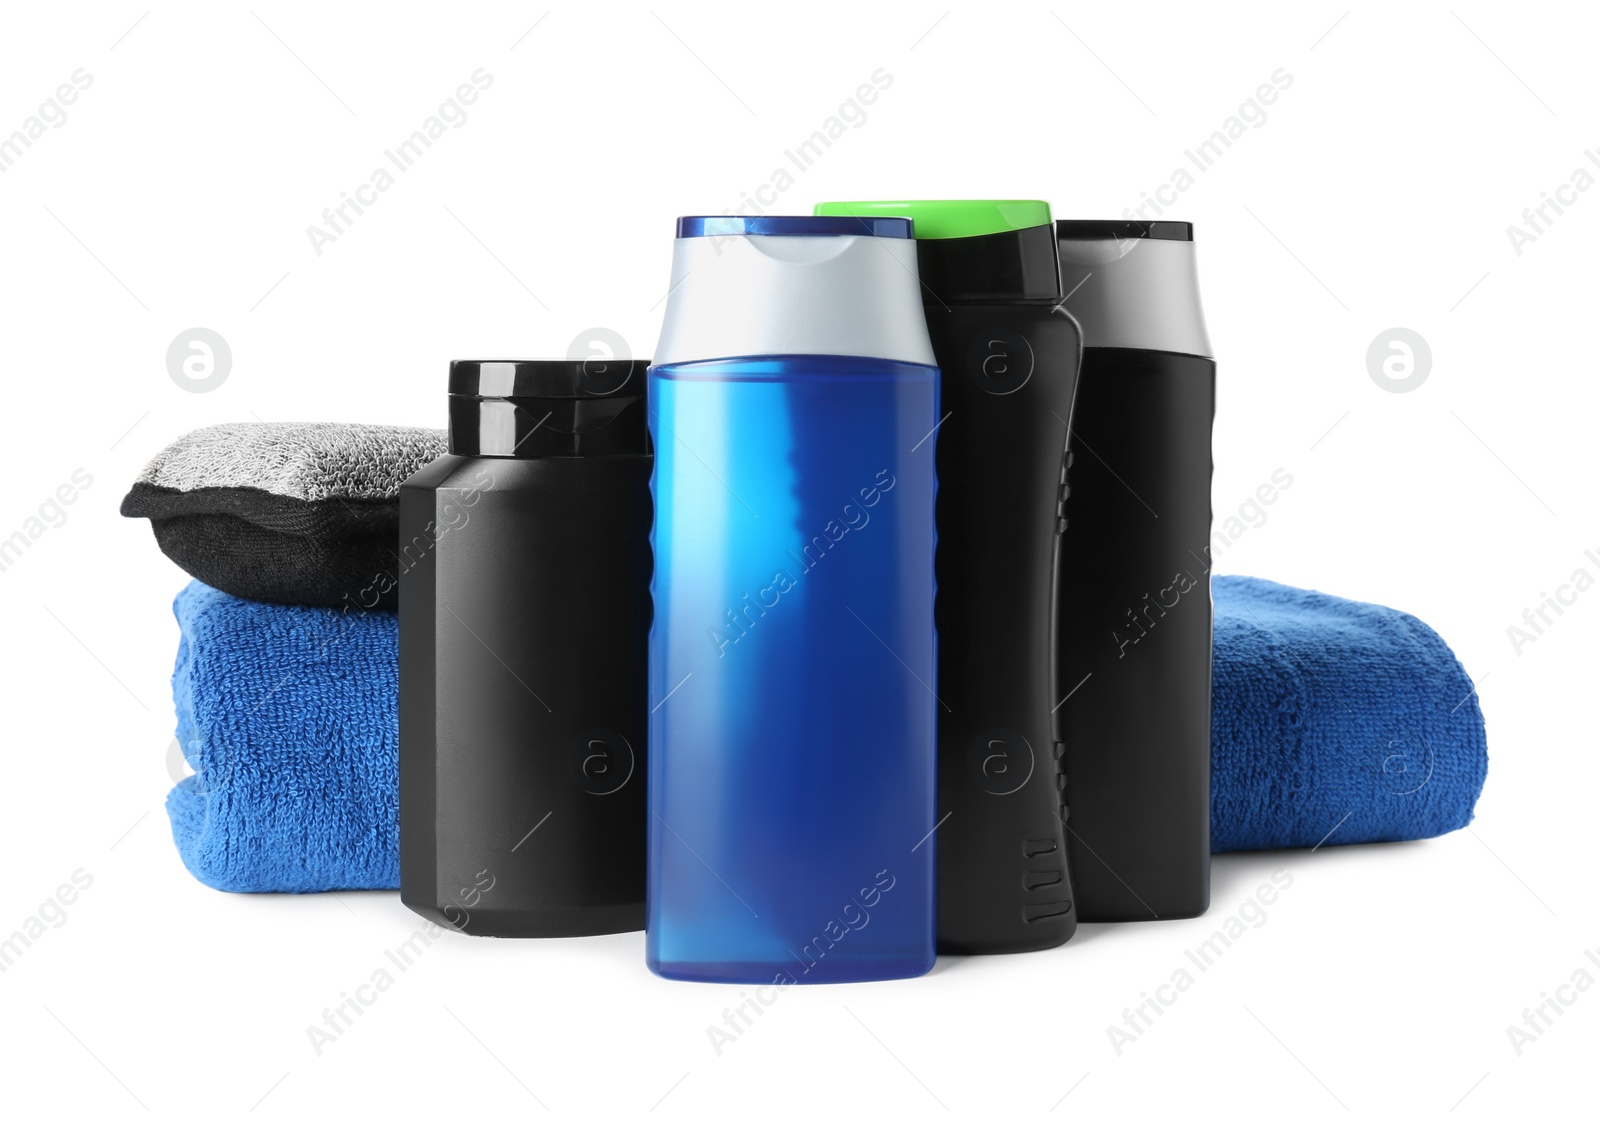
x,y
1094,229
546,378
531,408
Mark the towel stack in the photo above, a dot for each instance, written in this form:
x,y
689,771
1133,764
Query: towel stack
x,y
1333,722
286,678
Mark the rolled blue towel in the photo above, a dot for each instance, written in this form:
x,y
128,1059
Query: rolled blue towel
x,y
1335,721
1332,721
289,718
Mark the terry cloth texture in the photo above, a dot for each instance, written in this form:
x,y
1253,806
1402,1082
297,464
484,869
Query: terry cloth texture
x,y
285,513
289,718
1332,722
1336,721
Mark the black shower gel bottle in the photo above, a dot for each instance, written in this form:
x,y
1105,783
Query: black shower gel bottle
x,y
1136,617
1008,358
524,614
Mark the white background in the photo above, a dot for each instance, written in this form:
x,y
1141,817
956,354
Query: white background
x,y
1376,194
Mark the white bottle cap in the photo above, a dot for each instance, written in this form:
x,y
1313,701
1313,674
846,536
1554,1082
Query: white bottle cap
x,y
794,285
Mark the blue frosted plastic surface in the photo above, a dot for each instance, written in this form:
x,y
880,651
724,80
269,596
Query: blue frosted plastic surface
x,y
792,664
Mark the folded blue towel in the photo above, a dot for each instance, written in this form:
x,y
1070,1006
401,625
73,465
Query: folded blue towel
x,y
289,717
1332,721
1335,720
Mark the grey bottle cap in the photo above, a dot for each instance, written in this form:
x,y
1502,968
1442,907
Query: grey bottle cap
x,y
1133,285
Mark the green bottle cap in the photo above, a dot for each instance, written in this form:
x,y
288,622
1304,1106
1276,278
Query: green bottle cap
x,y
951,218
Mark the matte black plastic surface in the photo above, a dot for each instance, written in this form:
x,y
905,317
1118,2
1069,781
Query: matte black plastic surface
x,y
524,615
1007,379
1136,635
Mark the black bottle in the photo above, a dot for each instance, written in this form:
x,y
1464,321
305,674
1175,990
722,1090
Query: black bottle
x,y
524,612
1008,359
1136,618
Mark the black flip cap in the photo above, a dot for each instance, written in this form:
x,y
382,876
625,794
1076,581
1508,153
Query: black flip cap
x,y
532,408
1011,265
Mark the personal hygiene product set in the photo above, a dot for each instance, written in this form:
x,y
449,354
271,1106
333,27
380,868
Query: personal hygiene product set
x,y
873,618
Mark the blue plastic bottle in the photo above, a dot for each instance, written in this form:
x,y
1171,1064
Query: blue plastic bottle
x,y
793,404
